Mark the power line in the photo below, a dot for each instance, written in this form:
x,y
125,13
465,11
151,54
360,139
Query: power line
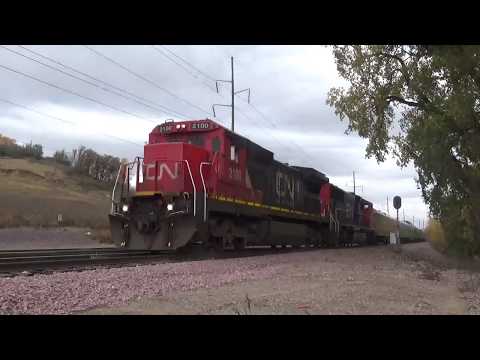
x,y
85,81
195,77
254,123
144,78
275,126
189,63
71,92
253,107
162,107
188,71
66,121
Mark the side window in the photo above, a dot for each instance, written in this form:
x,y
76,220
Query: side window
x,y
232,152
216,144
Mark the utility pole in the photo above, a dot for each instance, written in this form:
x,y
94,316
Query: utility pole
x,y
354,183
233,92
233,98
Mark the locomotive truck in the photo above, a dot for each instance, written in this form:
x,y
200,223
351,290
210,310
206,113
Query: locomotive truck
x,y
200,183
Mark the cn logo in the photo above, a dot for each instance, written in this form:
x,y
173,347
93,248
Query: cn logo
x,y
161,169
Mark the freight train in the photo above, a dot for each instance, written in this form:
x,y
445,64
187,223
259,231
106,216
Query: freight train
x,y
200,183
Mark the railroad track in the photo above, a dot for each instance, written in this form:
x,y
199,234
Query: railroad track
x,y
13,262
28,262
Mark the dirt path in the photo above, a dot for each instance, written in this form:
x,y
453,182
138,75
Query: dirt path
x,y
26,238
373,280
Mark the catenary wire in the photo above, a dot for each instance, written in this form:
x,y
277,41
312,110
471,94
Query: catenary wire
x,y
145,79
88,82
162,107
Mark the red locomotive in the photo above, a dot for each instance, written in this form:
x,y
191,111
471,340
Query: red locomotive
x,y
198,182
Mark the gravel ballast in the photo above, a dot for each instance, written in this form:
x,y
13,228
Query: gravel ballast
x,y
369,280
65,293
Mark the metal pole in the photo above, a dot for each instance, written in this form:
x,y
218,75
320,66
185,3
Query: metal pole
x,y
354,183
233,99
398,230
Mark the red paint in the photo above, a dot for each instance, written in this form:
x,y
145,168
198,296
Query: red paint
x,y
367,216
325,198
169,146
172,145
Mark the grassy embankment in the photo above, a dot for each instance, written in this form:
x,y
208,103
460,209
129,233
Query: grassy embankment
x,y
34,192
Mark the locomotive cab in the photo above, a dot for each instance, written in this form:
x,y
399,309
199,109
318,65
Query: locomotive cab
x,y
156,193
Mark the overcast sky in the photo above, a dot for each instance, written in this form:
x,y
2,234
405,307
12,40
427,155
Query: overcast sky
x,y
288,86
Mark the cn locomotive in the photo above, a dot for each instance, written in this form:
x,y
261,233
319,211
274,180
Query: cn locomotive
x,y
200,183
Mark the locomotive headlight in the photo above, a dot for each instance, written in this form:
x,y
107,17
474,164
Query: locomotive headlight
x,y
169,207
178,126
183,126
125,208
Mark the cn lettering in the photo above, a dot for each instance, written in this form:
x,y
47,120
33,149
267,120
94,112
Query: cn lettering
x,y
161,169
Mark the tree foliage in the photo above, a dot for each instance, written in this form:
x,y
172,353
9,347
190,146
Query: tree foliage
x,y
9,147
85,161
61,157
421,104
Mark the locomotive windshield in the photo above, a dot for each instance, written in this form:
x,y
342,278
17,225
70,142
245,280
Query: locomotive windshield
x,y
194,139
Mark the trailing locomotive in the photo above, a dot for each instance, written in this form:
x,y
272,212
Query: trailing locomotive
x,y
198,182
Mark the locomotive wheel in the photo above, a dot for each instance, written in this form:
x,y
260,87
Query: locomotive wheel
x,y
238,244
228,239
220,245
308,243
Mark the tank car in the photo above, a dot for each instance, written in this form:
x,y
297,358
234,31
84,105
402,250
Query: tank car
x,y
384,225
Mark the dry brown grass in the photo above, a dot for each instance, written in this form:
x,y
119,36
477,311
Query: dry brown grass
x,y
33,193
436,236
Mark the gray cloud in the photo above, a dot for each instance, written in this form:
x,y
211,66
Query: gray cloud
x,y
288,83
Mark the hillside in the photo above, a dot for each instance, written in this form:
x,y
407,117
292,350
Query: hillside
x,y
34,192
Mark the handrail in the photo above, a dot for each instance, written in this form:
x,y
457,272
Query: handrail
x,y
335,222
114,187
138,161
194,188
204,191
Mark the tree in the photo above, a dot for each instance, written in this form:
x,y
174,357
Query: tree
x,y
61,157
103,168
421,104
5,140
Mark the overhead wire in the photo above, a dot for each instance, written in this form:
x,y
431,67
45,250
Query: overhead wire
x,y
263,116
188,63
72,92
163,111
98,53
66,121
254,123
188,71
